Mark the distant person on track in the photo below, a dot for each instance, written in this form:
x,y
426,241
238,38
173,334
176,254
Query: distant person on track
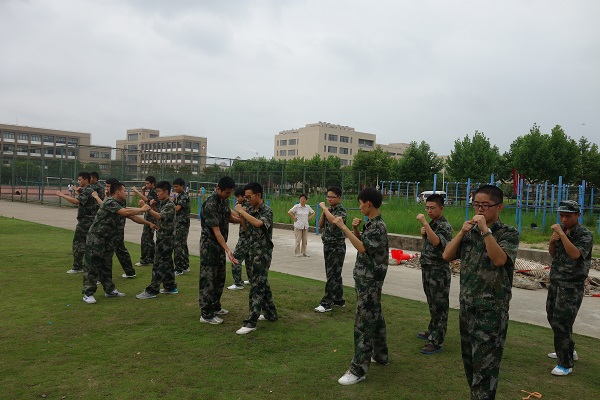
x,y
301,213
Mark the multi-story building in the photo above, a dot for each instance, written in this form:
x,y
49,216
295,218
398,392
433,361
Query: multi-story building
x,y
49,144
143,148
327,140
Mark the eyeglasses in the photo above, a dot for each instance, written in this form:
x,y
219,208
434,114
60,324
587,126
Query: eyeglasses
x,y
248,197
431,208
333,197
484,206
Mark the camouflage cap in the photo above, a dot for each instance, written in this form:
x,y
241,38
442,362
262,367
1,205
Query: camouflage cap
x,y
568,206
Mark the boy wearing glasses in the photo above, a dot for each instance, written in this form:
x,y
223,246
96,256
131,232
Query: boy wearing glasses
x,y
215,216
259,224
571,250
435,272
487,249
334,250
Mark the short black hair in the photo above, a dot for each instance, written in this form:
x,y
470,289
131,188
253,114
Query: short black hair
x,y
435,198
94,174
115,186
494,192
150,179
111,181
335,190
303,195
179,181
226,182
239,191
371,194
84,176
163,185
255,187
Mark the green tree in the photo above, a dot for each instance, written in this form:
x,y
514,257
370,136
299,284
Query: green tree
x,y
419,163
473,158
527,154
563,157
589,168
373,166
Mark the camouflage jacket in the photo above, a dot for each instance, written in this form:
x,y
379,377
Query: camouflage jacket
x,y
214,212
481,282
88,206
373,263
151,196
430,254
183,215
98,189
107,220
564,268
166,209
261,238
331,233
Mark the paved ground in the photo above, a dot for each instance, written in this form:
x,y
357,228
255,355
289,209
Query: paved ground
x,y
526,305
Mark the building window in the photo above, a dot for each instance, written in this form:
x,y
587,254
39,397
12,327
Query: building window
x,y
49,151
58,151
324,136
93,154
331,149
73,141
195,146
132,137
365,142
344,139
293,142
283,142
343,150
282,152
8,147
23,136
188,157
344,162
61,140
332,138
36,138
291,152
178,145
72,153
350,151
21,149
48,139
153,135
195,158
105,155
324,149
195,169
9,135
132,147
34,150
188,145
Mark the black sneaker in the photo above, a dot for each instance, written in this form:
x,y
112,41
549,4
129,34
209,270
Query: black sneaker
x,y
423,335
431,348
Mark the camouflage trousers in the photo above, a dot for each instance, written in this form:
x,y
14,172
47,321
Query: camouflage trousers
x,y
436,285
334,262
240,254
482,335
370,335
147,243
122,253
260,297
181,254
212,277
97,267
562,305
162,269
81,231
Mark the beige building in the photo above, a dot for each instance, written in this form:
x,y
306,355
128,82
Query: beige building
x,y
145,147
50,144
327,140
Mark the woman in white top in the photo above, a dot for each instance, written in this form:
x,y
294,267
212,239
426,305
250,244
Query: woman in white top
x,y
301,213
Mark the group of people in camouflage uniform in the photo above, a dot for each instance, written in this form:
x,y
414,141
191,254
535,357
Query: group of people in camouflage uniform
x,y
486,247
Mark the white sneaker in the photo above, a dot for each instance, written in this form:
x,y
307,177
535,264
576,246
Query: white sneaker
x,y
297,255
261,318
244,330
222,311
246,282
114,293
561,371
75,271
140,264
350,379
322,309
235,287
89,299
128,276
212,321
575,356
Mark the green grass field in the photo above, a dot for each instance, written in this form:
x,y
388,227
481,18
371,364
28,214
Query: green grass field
x,y
56,346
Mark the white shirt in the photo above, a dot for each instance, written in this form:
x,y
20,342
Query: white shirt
x,y
301,214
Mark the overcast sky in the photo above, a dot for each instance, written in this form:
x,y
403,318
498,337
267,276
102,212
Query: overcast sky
x,y
240,71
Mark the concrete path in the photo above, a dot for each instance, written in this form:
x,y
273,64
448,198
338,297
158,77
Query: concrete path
x,y
526,305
